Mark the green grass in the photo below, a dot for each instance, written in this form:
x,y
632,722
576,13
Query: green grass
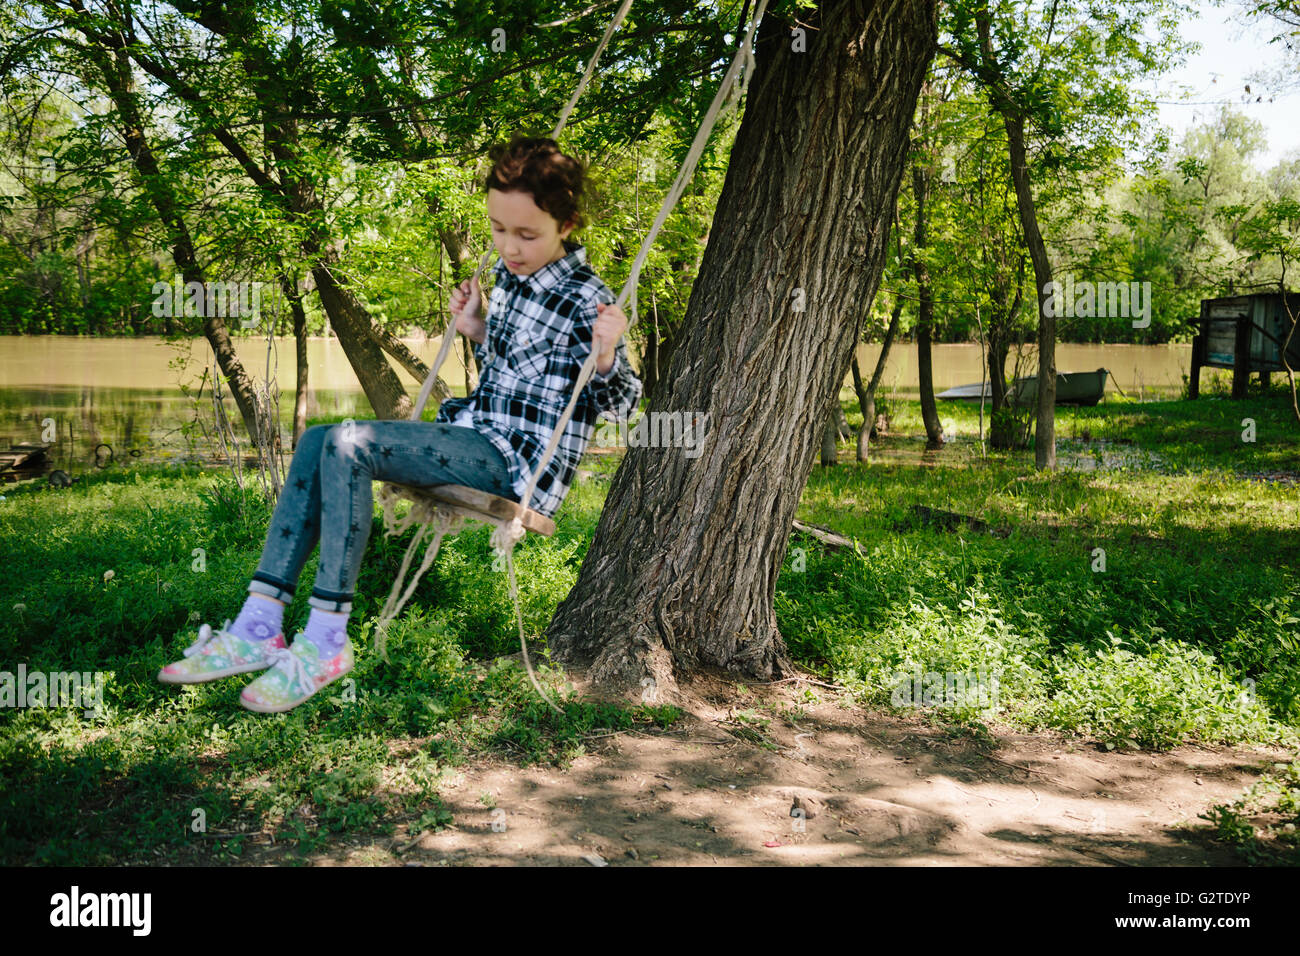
x,y
130,784
1264,822
1191,633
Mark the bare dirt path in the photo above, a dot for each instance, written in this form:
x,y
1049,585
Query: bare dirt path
x,y
872,789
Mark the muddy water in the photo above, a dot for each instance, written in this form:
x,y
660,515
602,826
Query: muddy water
x,y
127,393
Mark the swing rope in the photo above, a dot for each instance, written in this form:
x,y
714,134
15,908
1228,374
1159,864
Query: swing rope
x,y
447,517
444,518
449,336
726,96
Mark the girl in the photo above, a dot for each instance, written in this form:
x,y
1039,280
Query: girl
x,y
548,311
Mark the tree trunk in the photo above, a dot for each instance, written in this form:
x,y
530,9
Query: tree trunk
x,y
457,246
294,297
844,431
1002,428
997,363
650,363
682,571
830,440
924,315
867,396
1045,433
353,324
466,357
407,359
395,347
867,403
116,70
925,383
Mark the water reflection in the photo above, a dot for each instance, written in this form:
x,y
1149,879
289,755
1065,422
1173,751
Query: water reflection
x,y
86,393
148,425
126,393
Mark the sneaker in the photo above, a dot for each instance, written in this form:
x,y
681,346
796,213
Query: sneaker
x,y
298,673
219,655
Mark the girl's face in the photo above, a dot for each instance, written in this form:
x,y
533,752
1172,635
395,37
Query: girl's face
x,y
526,236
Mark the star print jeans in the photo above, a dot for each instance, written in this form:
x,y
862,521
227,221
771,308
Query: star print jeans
x,y
327,496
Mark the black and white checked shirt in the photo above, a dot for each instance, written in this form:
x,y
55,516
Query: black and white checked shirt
x,y
539,332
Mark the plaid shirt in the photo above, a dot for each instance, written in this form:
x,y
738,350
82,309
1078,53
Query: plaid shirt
x,y
539,332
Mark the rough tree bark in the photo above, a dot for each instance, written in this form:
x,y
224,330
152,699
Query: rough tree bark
x,y
682,572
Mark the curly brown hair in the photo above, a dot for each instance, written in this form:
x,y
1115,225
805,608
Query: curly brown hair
x,y
535,165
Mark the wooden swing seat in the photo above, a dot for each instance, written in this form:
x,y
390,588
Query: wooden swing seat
x,y
486,507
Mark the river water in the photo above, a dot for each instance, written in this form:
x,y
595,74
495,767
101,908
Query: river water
x,y
127,393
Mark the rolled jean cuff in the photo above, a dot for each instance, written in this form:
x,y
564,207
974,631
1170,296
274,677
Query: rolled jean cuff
x,y
335,601
273,589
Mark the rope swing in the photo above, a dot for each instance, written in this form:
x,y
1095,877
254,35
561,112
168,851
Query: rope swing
x,y
440,510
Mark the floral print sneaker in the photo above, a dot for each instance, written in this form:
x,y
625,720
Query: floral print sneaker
x,y
297,674
219,655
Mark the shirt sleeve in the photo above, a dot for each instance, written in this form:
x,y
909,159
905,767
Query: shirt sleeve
x,y
617,392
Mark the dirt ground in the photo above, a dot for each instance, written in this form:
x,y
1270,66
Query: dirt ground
x,y
872,789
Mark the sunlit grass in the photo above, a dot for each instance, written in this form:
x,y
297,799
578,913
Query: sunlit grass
x,y
1189,633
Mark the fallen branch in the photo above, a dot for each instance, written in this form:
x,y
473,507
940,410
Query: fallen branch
x,y
825,536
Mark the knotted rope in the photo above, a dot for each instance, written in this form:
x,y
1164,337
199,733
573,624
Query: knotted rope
x,y
450,335
435,520
725,98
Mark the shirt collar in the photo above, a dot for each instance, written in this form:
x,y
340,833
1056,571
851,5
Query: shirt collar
x,y
549,274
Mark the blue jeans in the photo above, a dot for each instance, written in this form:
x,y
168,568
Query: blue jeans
x,y
327,496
